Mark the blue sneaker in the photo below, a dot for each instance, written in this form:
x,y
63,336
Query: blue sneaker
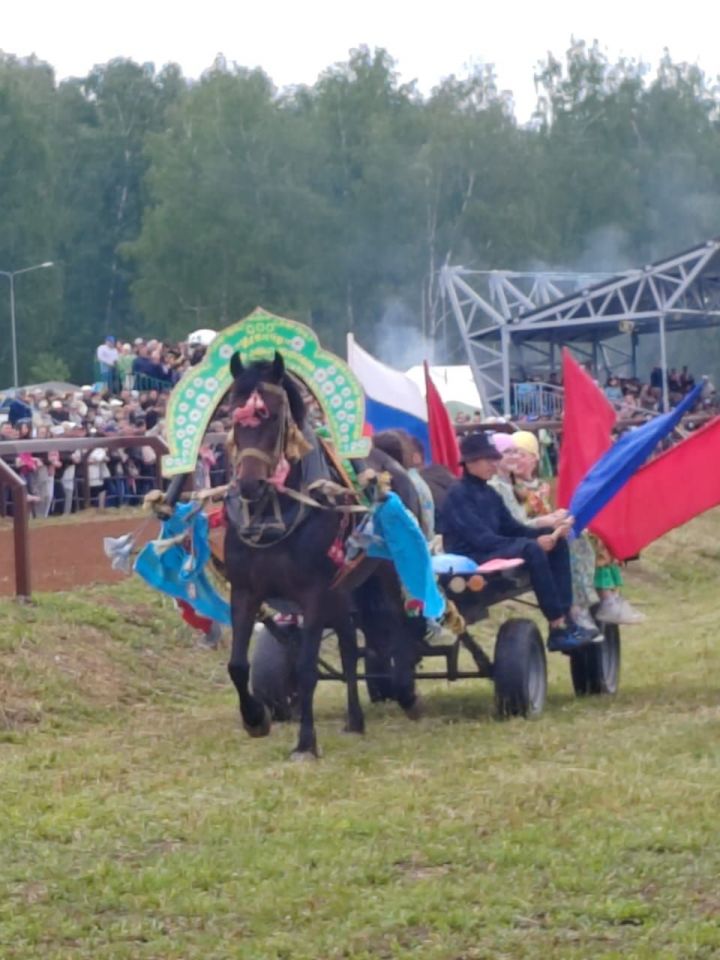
x,y
591,634
568,639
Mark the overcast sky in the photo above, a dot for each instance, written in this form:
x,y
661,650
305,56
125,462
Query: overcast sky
x,y
294,40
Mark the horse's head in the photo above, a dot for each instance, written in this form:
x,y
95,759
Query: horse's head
x,y
265,404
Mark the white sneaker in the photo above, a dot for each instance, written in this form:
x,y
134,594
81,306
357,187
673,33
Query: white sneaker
x,y
583,618
616,609
610,609
628,614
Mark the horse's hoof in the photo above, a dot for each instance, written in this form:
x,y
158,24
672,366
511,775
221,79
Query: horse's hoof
x,y
261,729
415,711
356,728
305,756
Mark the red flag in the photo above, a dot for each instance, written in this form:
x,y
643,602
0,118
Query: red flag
x,y
588,420
669,491
443,439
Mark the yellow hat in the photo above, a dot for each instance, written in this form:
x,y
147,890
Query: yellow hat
x,y
524,440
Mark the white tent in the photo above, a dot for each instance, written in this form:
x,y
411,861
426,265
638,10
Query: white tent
x,y
455,384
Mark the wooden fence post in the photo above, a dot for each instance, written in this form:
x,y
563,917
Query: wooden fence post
x,y
23,588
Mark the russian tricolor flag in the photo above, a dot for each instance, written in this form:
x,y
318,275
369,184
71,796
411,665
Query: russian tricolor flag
x,y
392,400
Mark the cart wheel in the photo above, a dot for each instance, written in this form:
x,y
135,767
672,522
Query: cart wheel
x,y
520,670
272,672
596,668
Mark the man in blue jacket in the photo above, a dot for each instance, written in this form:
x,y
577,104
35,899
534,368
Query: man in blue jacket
x,y
19,408
475,522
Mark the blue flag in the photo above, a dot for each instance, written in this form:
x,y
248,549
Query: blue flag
x,y
613,470
401,540
179,573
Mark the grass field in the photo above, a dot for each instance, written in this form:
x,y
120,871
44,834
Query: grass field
x,y
138,821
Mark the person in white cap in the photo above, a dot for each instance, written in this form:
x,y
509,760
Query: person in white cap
x,y
197,343
201,338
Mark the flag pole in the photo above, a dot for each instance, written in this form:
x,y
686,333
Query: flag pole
x,y
663,364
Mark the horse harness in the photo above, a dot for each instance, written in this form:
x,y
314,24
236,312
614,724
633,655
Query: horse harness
x,y
266,522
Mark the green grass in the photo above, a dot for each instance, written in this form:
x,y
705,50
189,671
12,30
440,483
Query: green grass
x,y
139,822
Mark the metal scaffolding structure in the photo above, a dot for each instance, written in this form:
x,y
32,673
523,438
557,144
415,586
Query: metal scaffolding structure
x,y
513,323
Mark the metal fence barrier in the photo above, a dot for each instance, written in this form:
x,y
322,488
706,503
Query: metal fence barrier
x,y
537,400
79,491
116,381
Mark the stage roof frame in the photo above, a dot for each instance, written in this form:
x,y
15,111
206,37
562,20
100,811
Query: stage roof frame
x,y
496,309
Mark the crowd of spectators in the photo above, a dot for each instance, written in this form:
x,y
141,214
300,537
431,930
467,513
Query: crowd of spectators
x,y
468,419
632,398
147,364
127,399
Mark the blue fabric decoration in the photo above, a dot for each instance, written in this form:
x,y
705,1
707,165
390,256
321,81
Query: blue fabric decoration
x,y
452,563
119,551
613,470
178,573
403,543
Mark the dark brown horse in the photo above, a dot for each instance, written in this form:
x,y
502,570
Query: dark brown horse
x,y
277,548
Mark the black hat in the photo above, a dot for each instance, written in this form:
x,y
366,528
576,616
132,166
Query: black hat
x,y
478,446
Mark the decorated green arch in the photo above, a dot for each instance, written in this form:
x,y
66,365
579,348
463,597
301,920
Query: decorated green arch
x,y
195,398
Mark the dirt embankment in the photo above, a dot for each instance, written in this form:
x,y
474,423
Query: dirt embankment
x,y
68,555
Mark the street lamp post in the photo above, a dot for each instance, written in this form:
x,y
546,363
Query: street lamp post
x,y
11,274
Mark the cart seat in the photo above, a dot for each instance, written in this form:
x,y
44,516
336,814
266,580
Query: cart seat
x,y
474,588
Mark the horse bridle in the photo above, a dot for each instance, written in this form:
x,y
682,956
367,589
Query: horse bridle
x,y
272,494
271,460
269,495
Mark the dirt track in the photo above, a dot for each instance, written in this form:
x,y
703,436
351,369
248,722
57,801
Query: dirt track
x,y
68,555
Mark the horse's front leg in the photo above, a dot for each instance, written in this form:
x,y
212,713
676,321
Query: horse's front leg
x,y
244,610
307,674
347,639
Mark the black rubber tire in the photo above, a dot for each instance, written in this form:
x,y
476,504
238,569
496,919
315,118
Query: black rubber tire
x,y
595,669
519,670
272,672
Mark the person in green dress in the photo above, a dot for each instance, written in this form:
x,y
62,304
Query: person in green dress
x,y
597,578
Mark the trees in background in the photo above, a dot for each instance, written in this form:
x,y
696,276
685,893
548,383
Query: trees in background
x,y
168,204
28,234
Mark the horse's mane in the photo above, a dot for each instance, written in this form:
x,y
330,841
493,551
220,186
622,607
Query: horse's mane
x,y
262,370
